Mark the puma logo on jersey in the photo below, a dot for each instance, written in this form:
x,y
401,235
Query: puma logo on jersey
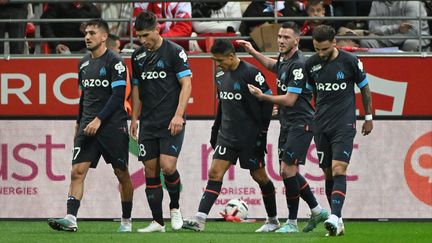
x,y
218,74
95,83
141,55
153,75
229,96
316,68
331,86
86,63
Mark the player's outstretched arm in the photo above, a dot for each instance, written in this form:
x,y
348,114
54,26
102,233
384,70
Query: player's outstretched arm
x,y
287,99
177,122
267,62
367,105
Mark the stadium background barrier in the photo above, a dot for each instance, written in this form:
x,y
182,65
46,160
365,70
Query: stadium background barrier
x,y
389,176
38,9
47,86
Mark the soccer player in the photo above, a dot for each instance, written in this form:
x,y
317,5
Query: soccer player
x,y
101,127
295,116
332,74
161,86
239,132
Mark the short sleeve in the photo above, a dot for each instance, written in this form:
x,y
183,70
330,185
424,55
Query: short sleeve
x,y
181,64
297,78
359,73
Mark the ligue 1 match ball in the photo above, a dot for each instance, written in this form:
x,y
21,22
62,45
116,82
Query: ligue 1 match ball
x,y
237,207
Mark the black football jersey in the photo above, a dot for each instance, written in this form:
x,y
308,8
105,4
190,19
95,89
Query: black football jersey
x,y
96,78
292,77
334,84
242,113
157,74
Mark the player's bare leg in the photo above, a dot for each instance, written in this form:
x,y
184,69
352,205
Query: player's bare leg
x,y
269,198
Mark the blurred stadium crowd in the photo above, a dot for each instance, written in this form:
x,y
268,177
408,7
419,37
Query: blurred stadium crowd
x,y
44,28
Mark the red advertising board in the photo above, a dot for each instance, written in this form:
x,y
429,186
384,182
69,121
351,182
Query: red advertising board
x,y
399,85
48,86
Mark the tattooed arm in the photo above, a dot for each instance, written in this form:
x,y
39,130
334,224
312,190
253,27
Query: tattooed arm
x,y
367,105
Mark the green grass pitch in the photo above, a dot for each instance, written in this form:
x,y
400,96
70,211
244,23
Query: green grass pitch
x,y
105,231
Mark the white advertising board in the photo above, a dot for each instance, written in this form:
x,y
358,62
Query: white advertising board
x,y
390,174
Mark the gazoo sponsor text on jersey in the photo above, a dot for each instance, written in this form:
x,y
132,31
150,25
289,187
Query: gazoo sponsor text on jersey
x,y
224,95
331,86
280,85
153,75
95,83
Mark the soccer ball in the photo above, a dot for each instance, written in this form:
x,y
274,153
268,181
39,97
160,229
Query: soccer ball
x,y
237,207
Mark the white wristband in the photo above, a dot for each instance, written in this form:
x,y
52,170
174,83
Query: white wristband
x,y
368,117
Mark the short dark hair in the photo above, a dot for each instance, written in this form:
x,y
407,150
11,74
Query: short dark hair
x,y
99,23
323,33
222,46
291,25
145,20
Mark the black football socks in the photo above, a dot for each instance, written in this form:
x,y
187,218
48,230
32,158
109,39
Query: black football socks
x,y
72,205
154,197
210,195
292,194
329,189
126,210
306,192
269,198
173,184
338,194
